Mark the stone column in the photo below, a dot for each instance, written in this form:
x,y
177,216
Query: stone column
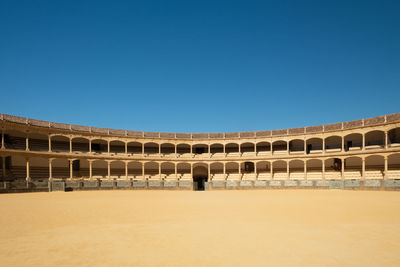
x,y
287,147
385,174
224,170
27,142
126,170
142,149
108,146
191,150
143,173
224,149
50,170
323,169
209,172
271,169
323,145
90,169
386,139
90,145
28,177
239,169
209,149
305,146
176,151
191,169
305,170
70,145
176,168
126,148
159,170
287,170
3,160
343,160
71,174
49,143
363,141
2,139
342,144
159,149
109,170
363,168
240,148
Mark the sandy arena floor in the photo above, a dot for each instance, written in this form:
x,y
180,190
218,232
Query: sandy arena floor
x,y
181,228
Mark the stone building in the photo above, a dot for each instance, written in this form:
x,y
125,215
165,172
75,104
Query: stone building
x,y
362,154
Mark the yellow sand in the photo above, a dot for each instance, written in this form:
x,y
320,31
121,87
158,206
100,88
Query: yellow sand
x,y
217,228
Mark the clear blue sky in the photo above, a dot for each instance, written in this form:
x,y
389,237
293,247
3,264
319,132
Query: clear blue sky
x,y
199,66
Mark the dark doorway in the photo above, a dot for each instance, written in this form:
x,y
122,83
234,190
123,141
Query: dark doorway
x,y
199,183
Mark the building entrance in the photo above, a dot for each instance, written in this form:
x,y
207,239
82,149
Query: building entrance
x,y
199,183
200,176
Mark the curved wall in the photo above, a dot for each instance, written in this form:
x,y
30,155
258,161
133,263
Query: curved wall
x,y
356,153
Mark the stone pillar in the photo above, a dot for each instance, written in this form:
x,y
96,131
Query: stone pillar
x,y
176,151
142,149
363,168
343,160
209,149
126,170
287,147
305,146
71,174
126,148
224,169
3,160
287,170
28,177
191,169
70,145
2,139
323,145
224,149
240,148
109,170
271,169
305,170
239,169
323,169
363,141
90,169
159,170
159,149
385,174
191,150
386,139
209,172
50,170
176,168
90,145
342,145
108,146
27,142
143,172
49,143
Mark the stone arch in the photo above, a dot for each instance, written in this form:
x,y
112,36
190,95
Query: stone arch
x,y
80,144
375,138
117,147
263,147
38,168
134,147
333,142
59,143
38,142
